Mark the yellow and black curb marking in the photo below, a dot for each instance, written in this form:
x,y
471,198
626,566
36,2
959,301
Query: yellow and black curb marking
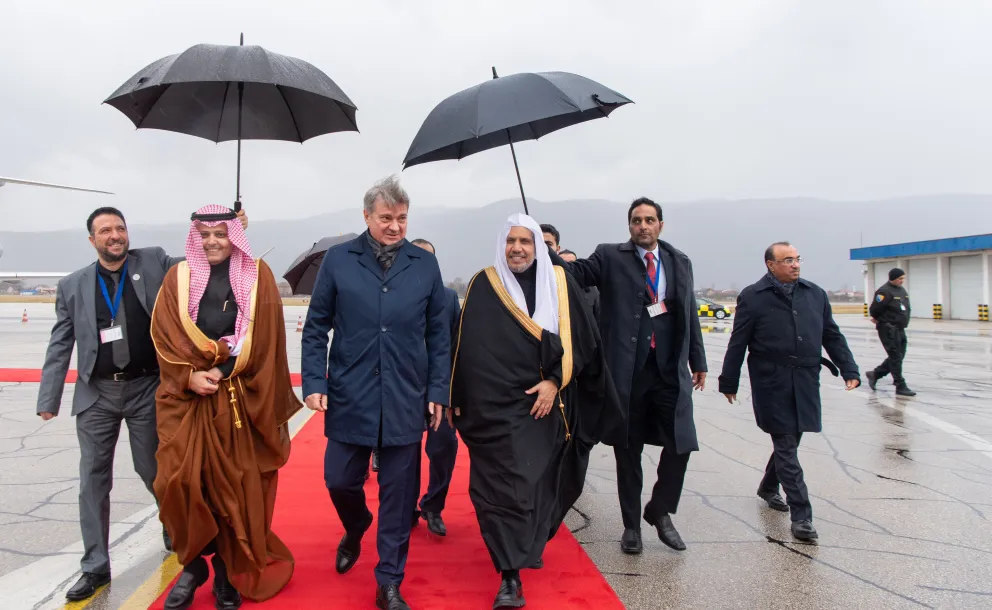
x,y
983,313
866,309
715,329
938,311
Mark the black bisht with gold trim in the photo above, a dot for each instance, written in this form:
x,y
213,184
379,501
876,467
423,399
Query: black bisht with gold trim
x,y
526,473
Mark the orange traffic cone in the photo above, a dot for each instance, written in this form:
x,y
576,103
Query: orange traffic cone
x,y
299,324
24,317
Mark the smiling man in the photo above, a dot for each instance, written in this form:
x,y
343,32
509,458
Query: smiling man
x,y
389,358
104,310
531,396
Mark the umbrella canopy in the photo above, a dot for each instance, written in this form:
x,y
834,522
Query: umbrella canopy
x,y
509,109
302,274
224,93
197,93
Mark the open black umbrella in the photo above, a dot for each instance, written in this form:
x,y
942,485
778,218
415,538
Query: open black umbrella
x,y
302,274
506,110
224,93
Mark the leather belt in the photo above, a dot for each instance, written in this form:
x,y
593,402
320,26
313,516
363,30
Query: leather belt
x,y
125,376
798,362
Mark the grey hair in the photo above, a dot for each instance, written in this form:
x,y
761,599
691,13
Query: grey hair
x,y
770,251
389,190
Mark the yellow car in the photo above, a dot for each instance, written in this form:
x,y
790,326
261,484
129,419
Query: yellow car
x,y
711,309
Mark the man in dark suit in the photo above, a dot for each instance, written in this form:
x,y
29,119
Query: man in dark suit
x,y
784,322
104,309
442,444
650,328
390,357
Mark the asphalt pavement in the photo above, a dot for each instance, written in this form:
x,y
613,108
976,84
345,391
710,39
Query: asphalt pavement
x,y
901,491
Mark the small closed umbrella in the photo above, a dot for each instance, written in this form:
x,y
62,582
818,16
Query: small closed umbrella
x,y
224,93
506,110
302,274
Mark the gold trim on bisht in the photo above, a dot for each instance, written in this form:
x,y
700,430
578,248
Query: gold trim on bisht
x,y
532,327
206,344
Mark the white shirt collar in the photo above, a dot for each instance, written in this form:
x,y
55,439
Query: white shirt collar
x,y
641,252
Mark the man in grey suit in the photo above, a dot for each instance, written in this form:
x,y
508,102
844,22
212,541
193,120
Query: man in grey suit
x,y
104,309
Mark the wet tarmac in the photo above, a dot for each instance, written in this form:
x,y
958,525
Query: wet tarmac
x,y
901,492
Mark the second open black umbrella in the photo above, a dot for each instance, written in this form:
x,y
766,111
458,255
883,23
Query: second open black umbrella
x,y
506,110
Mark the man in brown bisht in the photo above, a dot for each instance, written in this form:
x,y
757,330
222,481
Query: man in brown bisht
x,y
532,396
222,409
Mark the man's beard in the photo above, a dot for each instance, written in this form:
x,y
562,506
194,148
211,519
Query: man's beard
x,y
521,268
109,256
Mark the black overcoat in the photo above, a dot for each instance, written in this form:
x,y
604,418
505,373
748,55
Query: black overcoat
x,y
785,342
619,273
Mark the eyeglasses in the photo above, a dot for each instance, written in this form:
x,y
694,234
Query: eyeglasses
x,y
791,261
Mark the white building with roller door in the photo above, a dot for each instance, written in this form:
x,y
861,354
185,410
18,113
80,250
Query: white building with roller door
x,y
946,278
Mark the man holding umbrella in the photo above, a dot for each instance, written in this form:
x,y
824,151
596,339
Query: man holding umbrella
x,y
104,310
391,355
651,333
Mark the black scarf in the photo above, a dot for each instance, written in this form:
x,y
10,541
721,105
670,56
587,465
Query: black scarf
x,y
384,255
785,288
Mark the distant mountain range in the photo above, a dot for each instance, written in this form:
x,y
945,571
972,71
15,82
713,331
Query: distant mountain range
x,y
725,239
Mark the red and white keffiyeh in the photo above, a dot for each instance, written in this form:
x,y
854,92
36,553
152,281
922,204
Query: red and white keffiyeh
x,y
243,274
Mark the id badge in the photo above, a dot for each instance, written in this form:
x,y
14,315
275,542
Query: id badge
x,y
109,335
657,309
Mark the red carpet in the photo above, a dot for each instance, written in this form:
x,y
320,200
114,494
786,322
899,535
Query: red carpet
x,y
34,376
445,574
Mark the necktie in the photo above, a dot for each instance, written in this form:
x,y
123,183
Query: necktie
x,y
652,282
122,355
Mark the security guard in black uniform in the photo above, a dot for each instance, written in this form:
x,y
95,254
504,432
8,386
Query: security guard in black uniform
x,y
890,312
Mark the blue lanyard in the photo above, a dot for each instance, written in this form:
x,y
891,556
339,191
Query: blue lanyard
x,y
117,297
657,276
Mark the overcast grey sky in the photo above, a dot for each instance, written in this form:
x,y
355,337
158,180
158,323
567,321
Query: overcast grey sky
x,y
841,99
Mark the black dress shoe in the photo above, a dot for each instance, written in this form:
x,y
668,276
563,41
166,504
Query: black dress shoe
x,y
666,531
86,586
350,548
775,501
435,524
183,592
630,543
510,594
903,390
388,598
226,596
872,379
804,530
167,540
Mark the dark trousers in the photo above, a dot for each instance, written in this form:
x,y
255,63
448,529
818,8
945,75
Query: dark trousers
x,y
652,399
344,475
783,468
441,448
199,565
98,429
894,341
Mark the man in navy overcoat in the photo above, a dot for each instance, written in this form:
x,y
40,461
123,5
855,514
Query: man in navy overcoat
x,y
390,355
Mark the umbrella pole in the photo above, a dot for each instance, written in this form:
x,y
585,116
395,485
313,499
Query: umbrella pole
x,y
516,167
241,96
241,99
